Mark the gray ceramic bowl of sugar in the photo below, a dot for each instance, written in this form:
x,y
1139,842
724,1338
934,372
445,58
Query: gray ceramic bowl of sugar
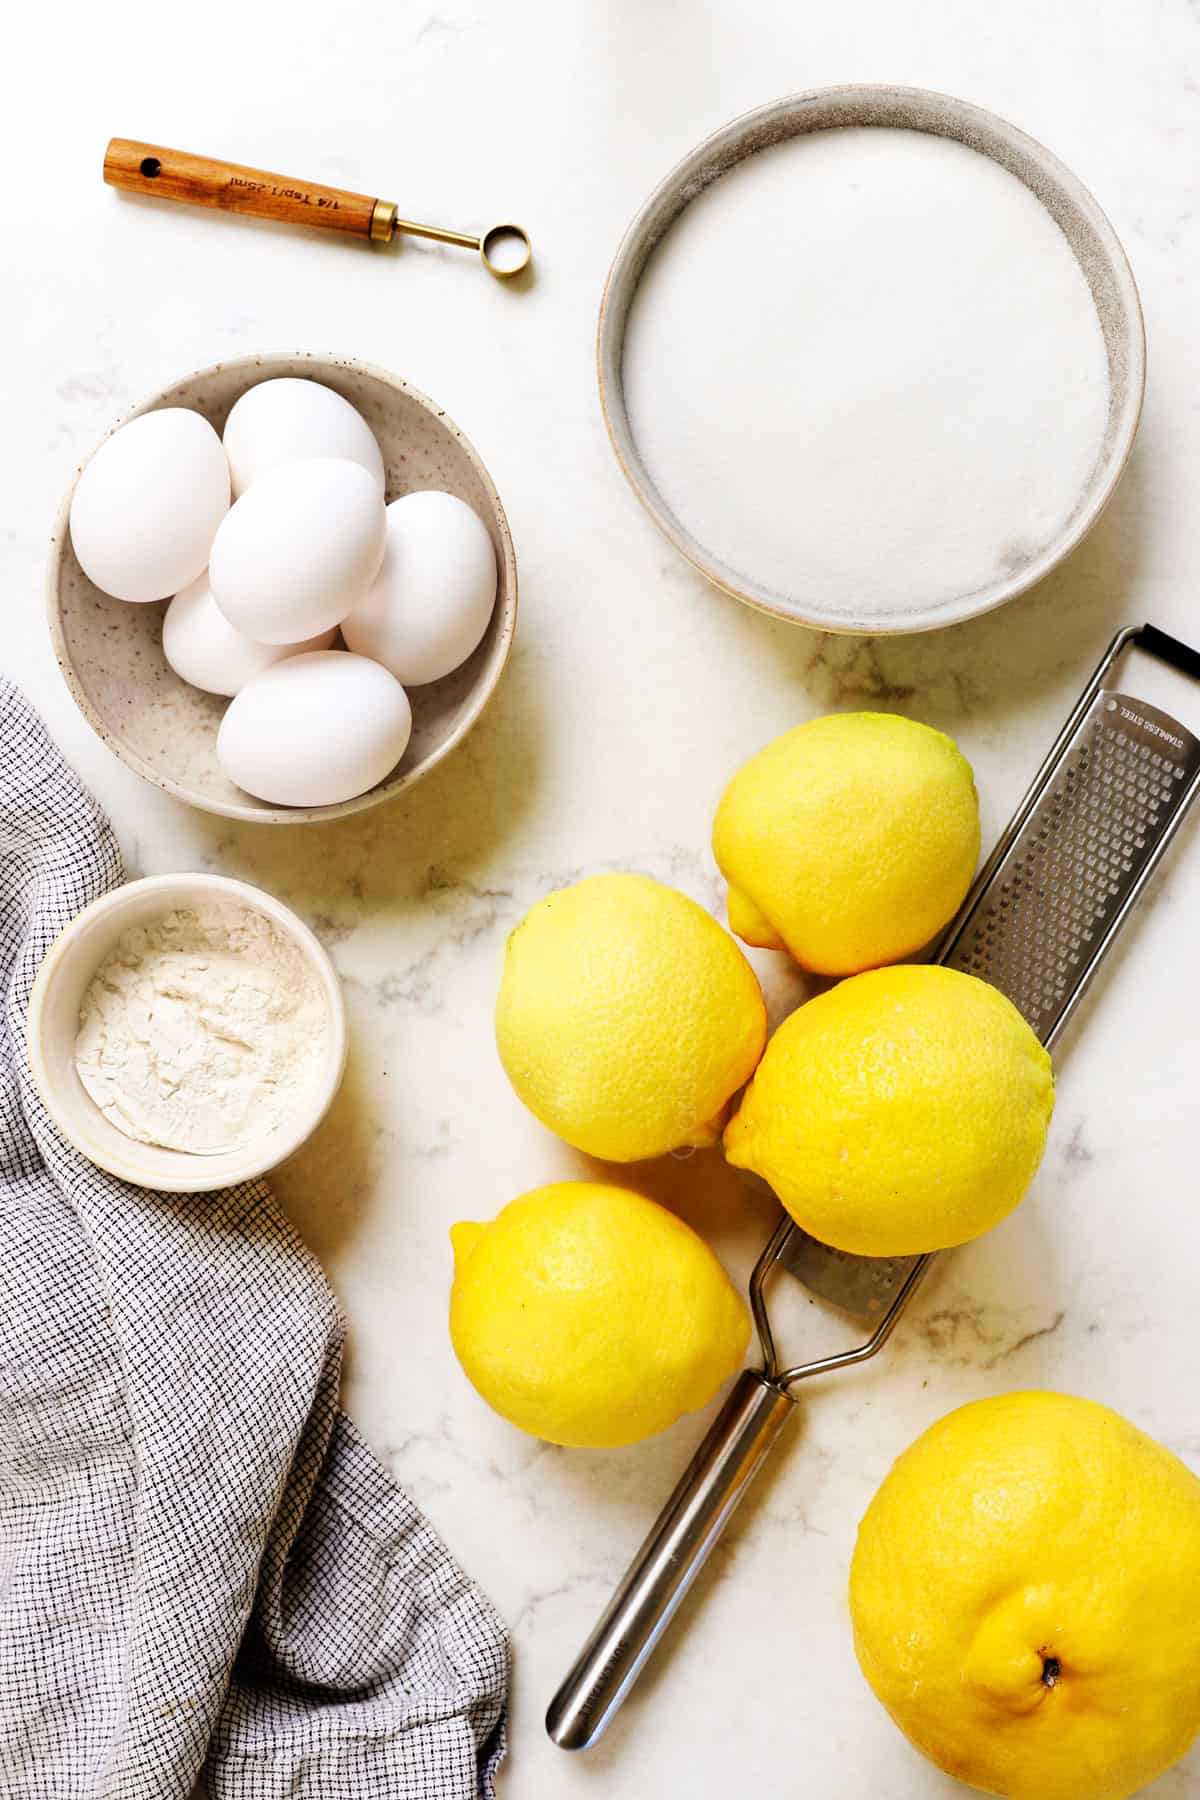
x,y
111,654
730,150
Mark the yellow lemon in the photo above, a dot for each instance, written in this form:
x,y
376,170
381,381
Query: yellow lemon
x,y
1025,1595
849,841
586,1314
627,1017
904,1110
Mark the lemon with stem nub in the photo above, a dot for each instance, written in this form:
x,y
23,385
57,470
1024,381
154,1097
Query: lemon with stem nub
x,y
1025,1595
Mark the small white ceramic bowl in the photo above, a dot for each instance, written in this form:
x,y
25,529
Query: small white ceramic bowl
x,y
111,653
61,982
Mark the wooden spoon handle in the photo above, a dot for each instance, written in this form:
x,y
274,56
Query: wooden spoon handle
x,y
204,181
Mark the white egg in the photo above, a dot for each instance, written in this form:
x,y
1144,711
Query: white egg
x,y
430,603
290,419
298,550
315,729
147,506
203,648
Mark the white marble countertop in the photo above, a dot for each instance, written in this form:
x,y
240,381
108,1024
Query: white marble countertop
x,y
634,692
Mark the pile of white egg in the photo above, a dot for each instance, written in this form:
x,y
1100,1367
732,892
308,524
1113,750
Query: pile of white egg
x,y
271,541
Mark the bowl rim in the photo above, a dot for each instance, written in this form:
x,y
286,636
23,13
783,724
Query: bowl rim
x,y
678,187
176,889
375,796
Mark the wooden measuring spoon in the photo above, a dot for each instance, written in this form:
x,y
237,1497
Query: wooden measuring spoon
x,y
205,181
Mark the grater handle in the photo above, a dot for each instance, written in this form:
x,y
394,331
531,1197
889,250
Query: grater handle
x,y
674,1552
1169,649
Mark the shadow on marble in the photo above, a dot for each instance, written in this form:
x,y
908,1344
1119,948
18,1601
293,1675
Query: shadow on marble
x,y
377,861
326,1185
328,243
202,220
990,668
702,1189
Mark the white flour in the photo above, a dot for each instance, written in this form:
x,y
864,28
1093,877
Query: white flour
x,y
865,368
198,1030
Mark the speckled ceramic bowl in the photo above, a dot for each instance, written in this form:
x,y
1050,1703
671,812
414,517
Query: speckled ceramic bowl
x,y
1085,227
111,653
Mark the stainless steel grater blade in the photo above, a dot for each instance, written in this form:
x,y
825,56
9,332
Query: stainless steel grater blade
x,y
1037,923
1060,888
863,1286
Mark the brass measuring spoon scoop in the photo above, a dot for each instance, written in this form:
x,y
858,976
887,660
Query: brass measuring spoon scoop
x,y
139,168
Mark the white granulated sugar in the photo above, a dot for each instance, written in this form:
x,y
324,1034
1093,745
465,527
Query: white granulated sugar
x,y
865,370
200,1029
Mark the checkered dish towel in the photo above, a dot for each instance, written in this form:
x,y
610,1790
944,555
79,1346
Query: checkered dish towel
x,y
205,1576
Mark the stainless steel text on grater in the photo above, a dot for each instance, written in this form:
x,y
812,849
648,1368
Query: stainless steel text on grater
x,y
1045,908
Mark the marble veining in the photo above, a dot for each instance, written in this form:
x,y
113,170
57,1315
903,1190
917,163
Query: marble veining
x,y
633,692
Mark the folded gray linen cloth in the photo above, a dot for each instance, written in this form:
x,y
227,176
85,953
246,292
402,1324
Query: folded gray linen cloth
x,y
206,1579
